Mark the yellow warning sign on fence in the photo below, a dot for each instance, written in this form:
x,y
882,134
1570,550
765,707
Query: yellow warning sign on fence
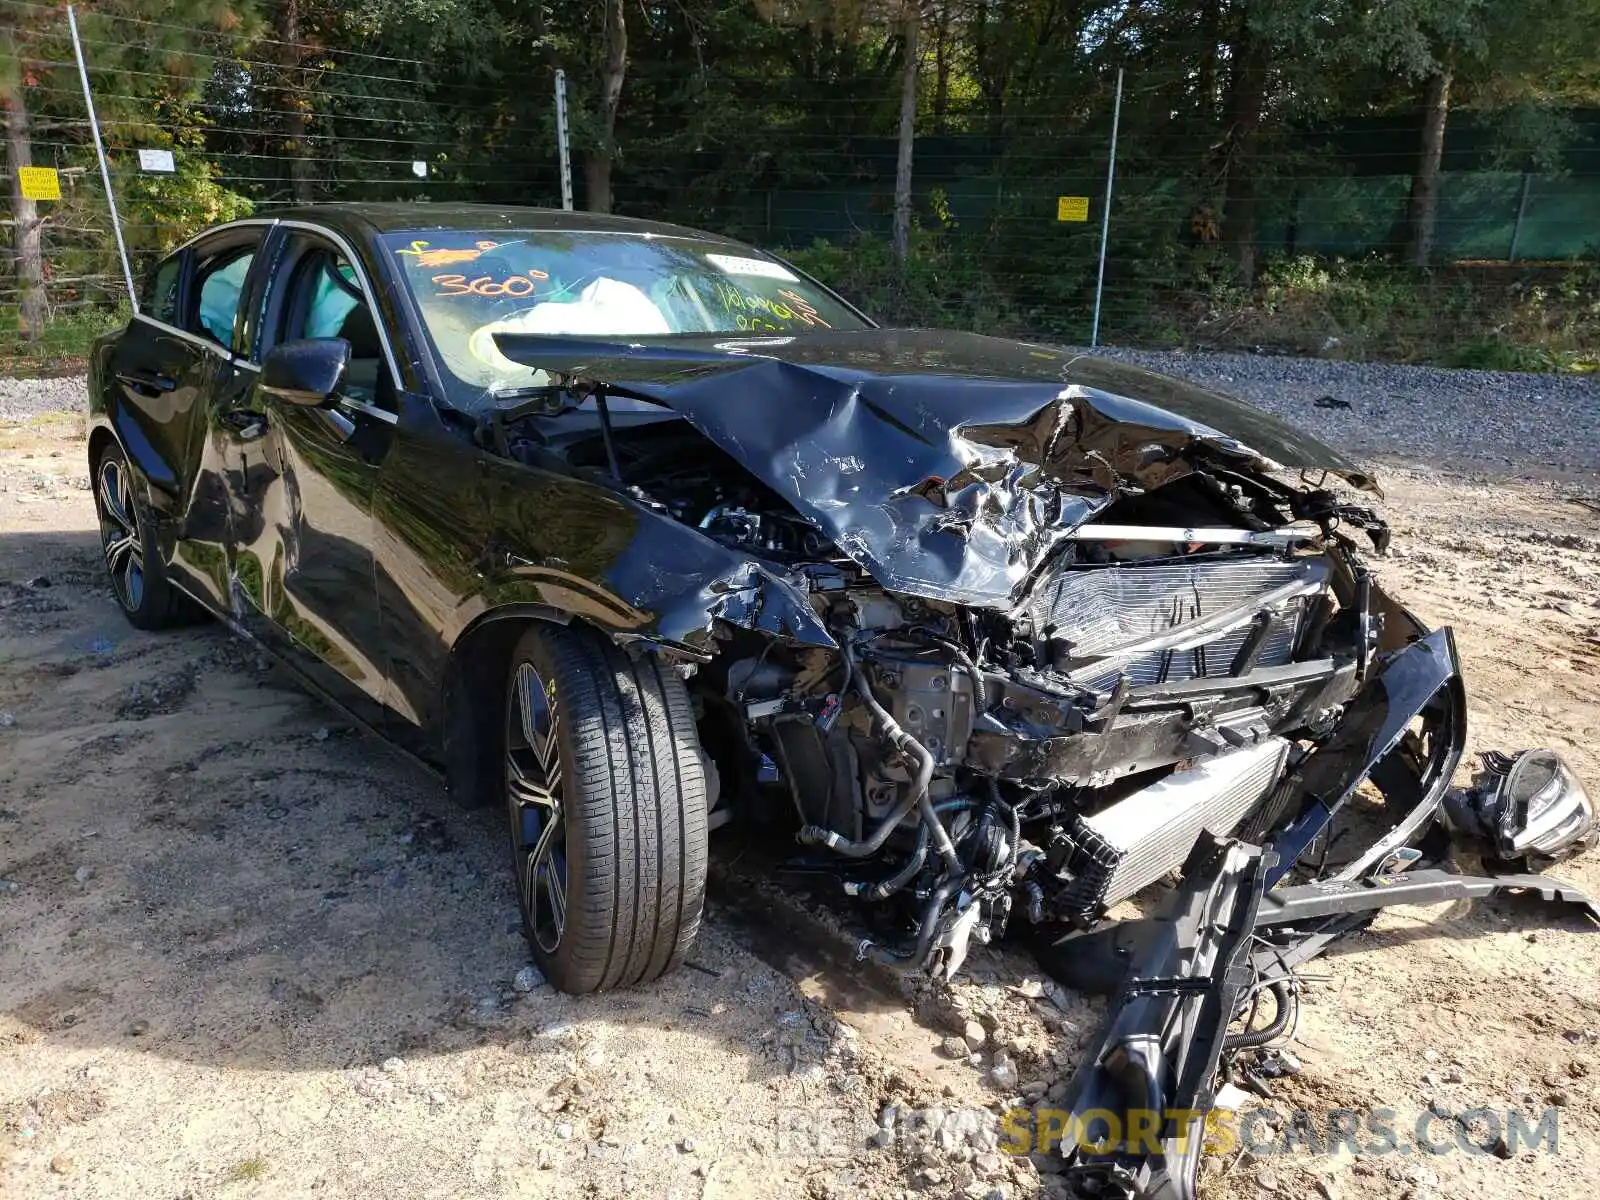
x,y
39,183
1072,208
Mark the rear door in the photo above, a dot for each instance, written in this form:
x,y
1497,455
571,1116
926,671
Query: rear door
x,y
169,370
301,538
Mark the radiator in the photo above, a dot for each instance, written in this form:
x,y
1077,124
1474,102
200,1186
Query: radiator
x,y
1135,841
1105,613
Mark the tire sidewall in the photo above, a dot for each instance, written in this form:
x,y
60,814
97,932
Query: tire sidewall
x,y
153,600
558,968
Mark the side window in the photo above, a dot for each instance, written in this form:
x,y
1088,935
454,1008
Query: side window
x,y
161,290
325,300
221,280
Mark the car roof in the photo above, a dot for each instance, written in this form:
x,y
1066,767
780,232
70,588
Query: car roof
x,y
388,217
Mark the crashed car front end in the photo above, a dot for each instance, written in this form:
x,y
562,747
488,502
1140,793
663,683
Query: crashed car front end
x,y
1000,635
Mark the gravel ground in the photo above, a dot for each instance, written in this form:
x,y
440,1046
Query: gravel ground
x,y
1481,421
1491,421
24,398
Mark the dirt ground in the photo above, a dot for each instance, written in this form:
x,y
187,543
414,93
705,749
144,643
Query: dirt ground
x,y
247,951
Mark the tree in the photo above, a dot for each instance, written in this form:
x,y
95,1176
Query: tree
x,y
27,240
613,69
145,60
911,21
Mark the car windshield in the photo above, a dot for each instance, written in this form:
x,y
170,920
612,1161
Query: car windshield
x,y
470,285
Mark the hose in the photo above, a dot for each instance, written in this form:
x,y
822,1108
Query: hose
x,y
904,874
916,793
980,694
930,918
1253,1038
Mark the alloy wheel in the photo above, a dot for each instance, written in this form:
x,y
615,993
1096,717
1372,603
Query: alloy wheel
x,y
119,533
534,806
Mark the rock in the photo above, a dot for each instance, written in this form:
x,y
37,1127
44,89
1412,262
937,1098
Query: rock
x,y
974,1034
564,1131
83,874
883,1138
927,1179
373,1087
989,1163
1058,1090
1034,1089
1453,1075
436,1098
954,1047
392,1066
138,1027
321,734
1003,1072
1327,1190
7,721
1266,1181
1559,1098
63,1164
528,978
10,886
687,1145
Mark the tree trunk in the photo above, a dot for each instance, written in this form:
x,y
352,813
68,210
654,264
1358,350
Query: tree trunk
x,y
597,164
1247,94
27,231
942,49
1422,206
908,133
297,121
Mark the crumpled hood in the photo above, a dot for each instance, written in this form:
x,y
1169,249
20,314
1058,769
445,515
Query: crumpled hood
x,y
947,465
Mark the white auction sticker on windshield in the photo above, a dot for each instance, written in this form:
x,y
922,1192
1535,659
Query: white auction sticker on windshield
x,y
734,265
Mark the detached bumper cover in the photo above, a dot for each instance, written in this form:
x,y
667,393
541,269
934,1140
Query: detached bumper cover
x,y
1155,1064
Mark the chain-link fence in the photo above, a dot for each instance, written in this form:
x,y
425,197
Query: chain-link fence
x,y
1294,238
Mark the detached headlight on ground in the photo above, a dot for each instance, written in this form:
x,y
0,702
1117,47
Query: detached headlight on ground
x,y
1526,804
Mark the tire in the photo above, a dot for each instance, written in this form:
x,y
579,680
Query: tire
x,y
606,806
138,578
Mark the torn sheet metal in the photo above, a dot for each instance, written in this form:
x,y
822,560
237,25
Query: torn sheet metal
x,y
946,465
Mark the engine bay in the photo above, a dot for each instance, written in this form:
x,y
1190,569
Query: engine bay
x,y
1155,678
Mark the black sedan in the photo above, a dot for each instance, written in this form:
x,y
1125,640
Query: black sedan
x,y
633,531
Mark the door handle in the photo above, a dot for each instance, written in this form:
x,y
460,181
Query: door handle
x,y
146,383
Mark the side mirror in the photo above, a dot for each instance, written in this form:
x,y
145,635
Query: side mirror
x,y
306,372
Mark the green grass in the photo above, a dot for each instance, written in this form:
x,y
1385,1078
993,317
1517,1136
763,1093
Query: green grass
x,y
63,341
250,1170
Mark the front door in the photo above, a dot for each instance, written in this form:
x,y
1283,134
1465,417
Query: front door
x,y
302,513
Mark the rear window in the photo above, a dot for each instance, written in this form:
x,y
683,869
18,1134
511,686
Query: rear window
x,y
471,285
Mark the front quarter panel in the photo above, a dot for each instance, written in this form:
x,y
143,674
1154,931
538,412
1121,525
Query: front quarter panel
x,y
462,536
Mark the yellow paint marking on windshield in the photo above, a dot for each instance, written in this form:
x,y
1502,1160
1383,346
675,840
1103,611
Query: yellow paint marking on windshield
x,y
444,256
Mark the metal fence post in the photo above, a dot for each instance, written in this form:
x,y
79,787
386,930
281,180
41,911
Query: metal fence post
x,y
1105,213
1522,211
100,153
561,140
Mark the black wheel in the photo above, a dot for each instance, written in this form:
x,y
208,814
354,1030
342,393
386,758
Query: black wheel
x,y
606,801
137,576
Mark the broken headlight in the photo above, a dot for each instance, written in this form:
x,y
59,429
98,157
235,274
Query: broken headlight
x,y
1528,804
